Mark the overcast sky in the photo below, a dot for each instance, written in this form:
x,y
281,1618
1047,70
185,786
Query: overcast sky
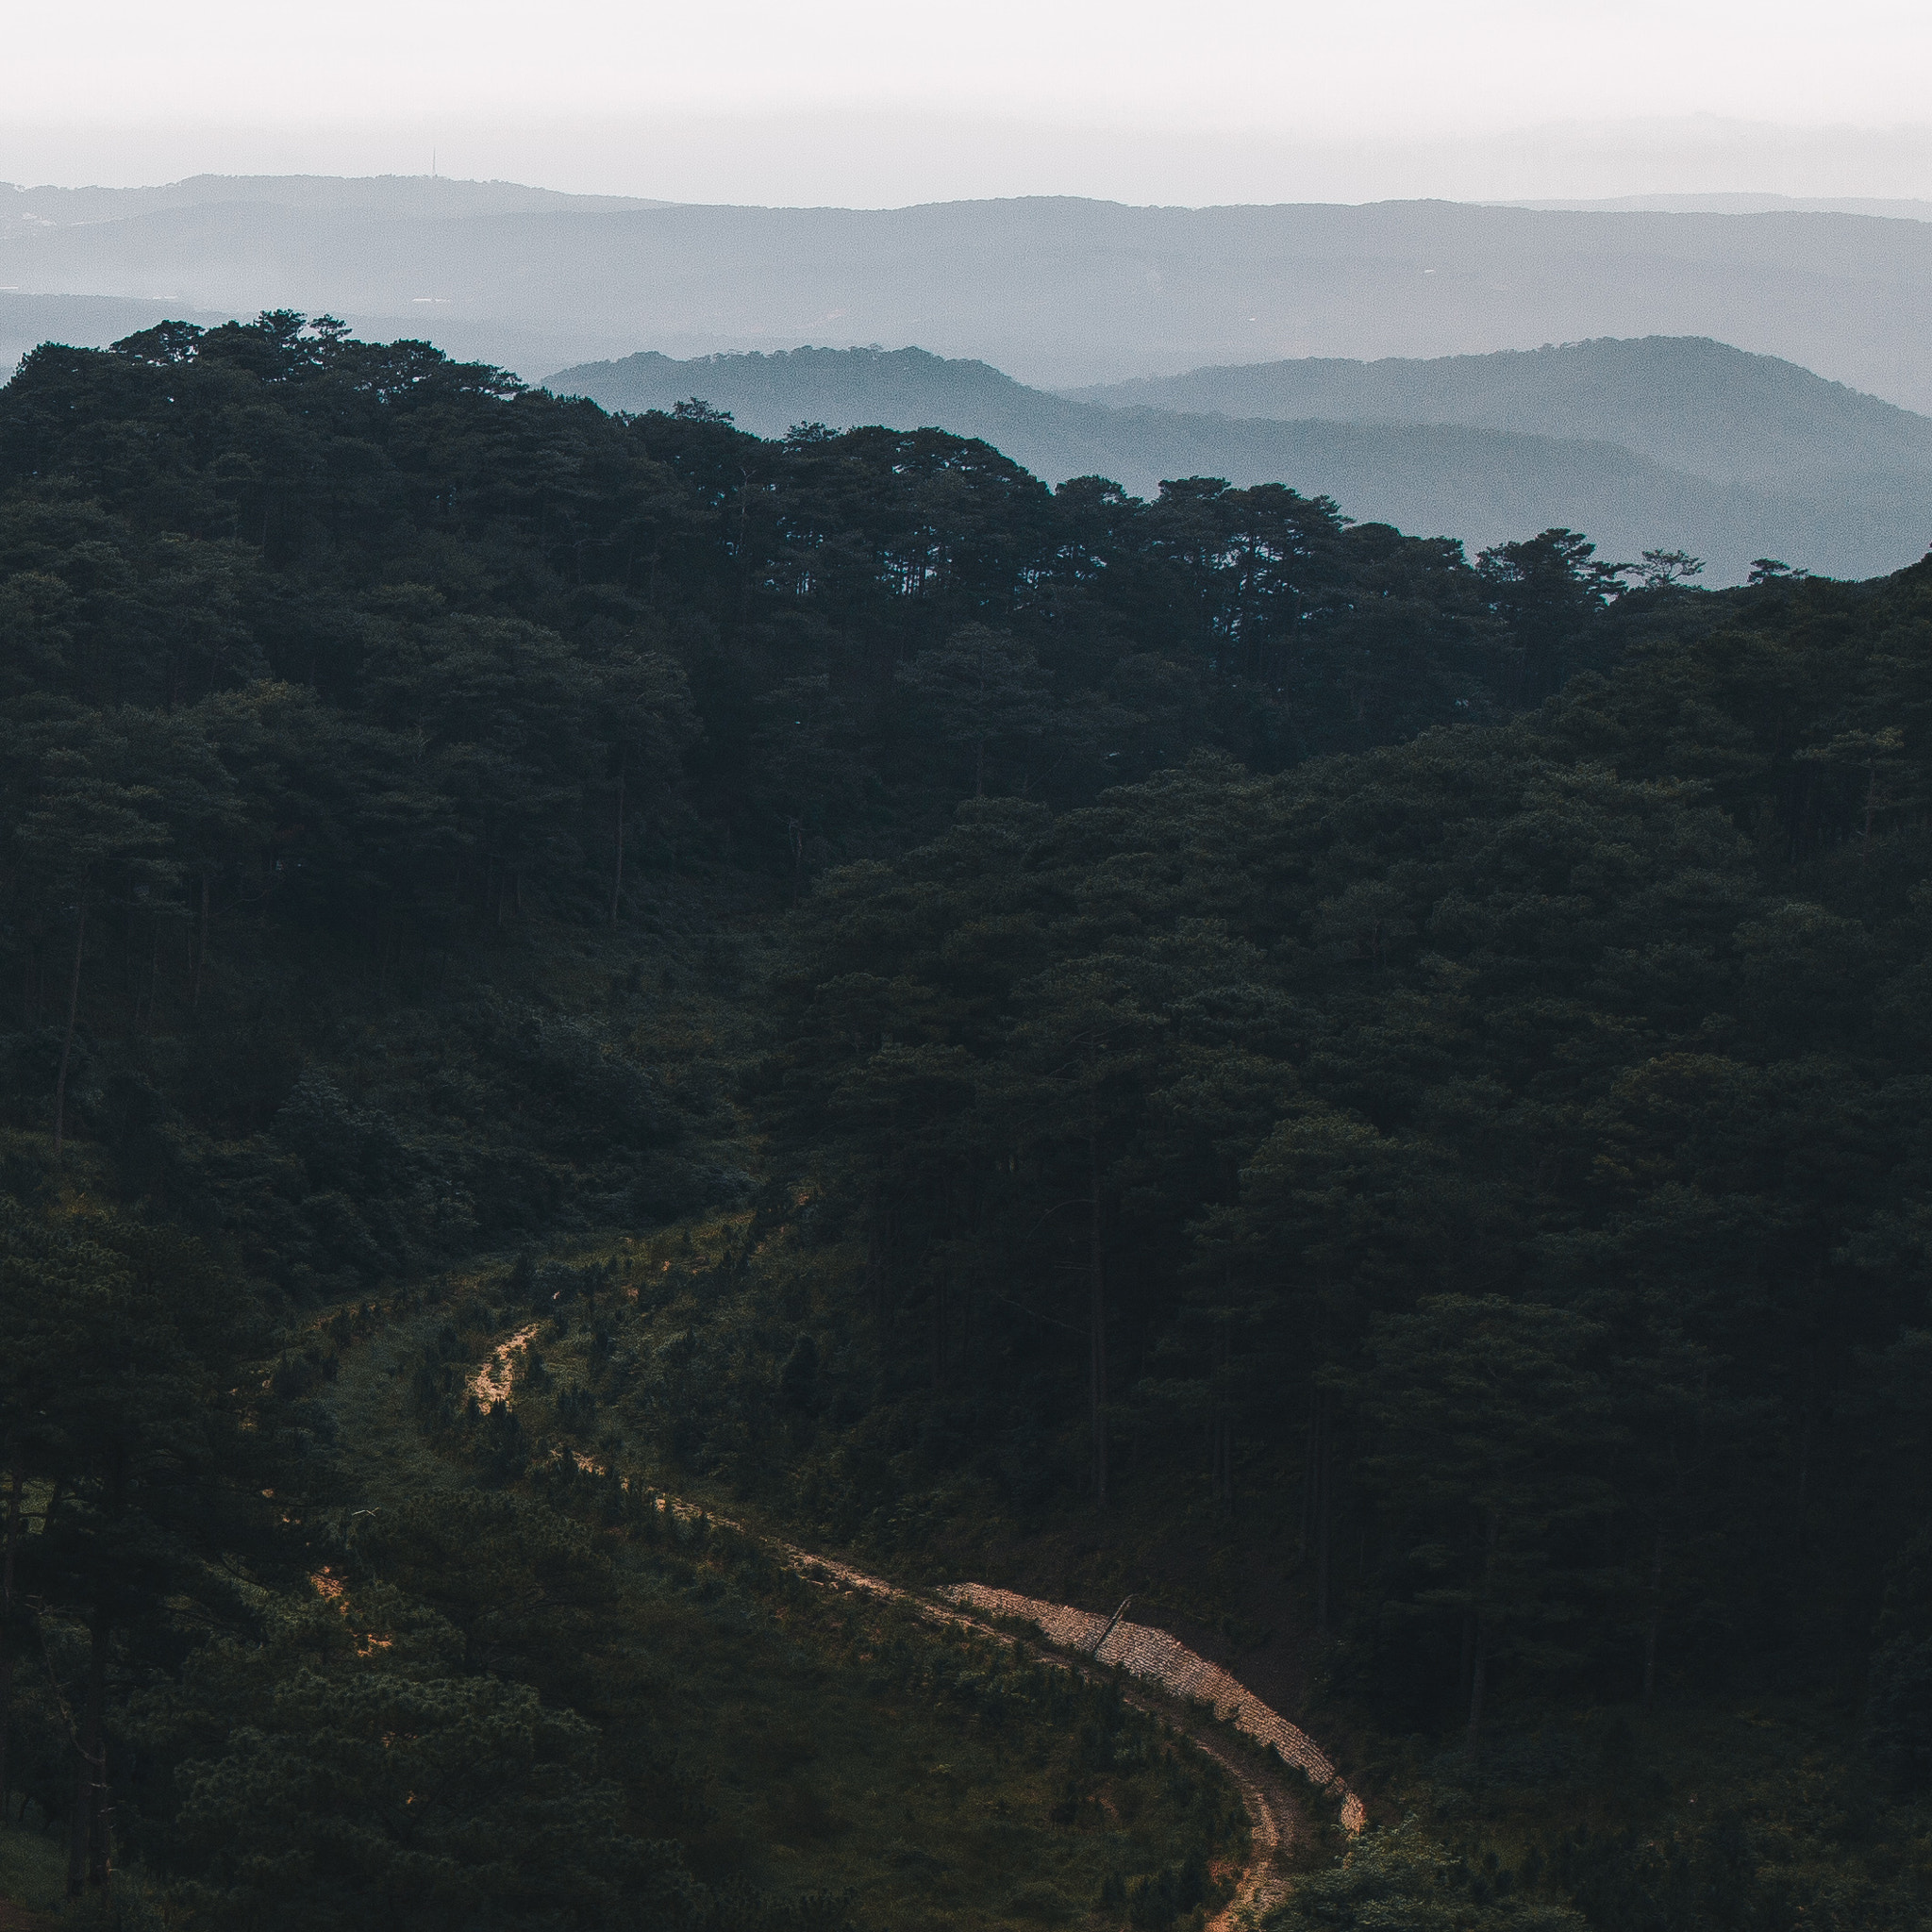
x,y
878,102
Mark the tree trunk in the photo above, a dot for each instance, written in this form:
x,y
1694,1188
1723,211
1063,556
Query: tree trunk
x,y
1477,1674
1309,1454
67,1044
938,1332
1804,1487
154,972
1097,1332
1650,1630
875,1253
1324,1518
743,548
617,882
1480,1675
5,1623
201,945
87,1840
1221,1475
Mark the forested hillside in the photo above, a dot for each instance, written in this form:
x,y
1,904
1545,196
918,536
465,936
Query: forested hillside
x,y
1694,403
1185,1044
1637,442
328,664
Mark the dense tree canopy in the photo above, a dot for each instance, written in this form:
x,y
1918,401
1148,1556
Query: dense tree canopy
x,y
329,663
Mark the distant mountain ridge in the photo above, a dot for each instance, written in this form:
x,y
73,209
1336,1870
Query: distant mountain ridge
x,y
1056,290
391,197
1690,402
1742,202
1474,481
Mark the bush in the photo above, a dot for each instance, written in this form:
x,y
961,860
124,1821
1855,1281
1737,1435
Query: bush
x,y
1397,1879
1898,1713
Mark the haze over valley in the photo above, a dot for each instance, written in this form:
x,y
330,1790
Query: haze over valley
x,y
1056,291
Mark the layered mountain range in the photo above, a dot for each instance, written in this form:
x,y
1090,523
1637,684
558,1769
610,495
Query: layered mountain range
x,y
1657,444
1057,290
1385,354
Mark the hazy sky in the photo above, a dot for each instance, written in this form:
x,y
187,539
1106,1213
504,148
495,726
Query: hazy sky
x,y
876,101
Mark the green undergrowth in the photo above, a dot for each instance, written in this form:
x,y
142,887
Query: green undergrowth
x,y
33,1868
1753,1818
798,1742
698,1358
699,1361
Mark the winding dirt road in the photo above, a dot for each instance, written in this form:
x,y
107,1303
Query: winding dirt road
x,y
1179,1683
1167,1680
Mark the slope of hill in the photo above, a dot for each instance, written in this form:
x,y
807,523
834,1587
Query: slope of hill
x,y
85,321
391,197
1690,402
1059,290
1477,483
1742,202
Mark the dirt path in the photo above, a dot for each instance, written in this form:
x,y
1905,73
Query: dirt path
x,y
1271,1820
491,1382
1145,1652
1179,1682
1162,1678
1188,1681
